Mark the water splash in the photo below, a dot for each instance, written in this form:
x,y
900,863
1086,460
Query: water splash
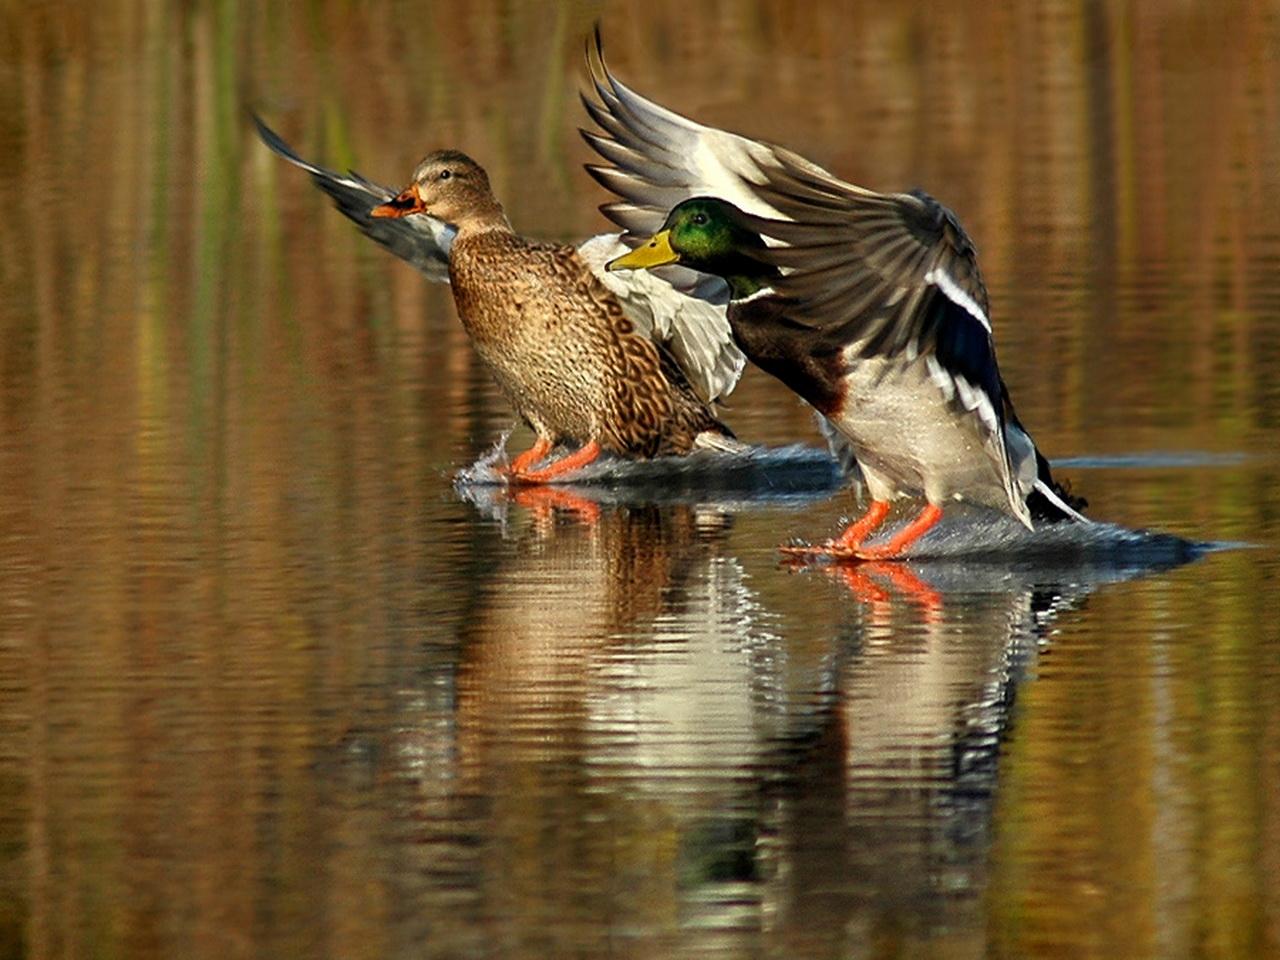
x,y
979,537
795,473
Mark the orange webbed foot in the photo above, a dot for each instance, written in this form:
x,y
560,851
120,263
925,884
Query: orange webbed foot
x,y
558,468
849,545
541,447
846,545
896,546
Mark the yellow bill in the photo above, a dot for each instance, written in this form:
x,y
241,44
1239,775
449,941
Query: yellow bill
x,y
656,252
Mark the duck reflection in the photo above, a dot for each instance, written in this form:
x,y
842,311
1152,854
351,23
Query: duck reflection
x,y
634,750
583,604
887,809
616,692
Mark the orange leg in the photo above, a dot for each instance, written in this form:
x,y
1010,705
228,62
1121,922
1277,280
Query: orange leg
x,y
861,528
913,531
541,447
579,458
845,544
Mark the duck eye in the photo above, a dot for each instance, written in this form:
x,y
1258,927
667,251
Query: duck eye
x,y
700,219
445,174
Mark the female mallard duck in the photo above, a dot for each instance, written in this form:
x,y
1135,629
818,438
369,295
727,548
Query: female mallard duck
x,y
629,368
870,306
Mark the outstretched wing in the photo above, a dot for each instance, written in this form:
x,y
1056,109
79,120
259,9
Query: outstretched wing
x,y
872,269
657,158
420,240
871,274
891,275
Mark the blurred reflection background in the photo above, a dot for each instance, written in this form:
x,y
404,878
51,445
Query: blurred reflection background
x,y
268,687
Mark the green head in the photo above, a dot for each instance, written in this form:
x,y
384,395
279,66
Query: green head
x,y
710,236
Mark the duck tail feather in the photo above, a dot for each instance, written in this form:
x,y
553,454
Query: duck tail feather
x,y
719,442
1054,503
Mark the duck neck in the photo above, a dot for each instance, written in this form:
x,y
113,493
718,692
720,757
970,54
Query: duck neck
x,y
486,218
749,277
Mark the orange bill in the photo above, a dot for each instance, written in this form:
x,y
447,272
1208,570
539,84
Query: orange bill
x,y
403,204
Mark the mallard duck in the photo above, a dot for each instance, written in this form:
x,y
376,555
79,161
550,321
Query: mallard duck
x,y
631,368
870,306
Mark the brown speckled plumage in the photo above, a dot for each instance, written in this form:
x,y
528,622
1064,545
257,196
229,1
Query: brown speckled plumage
x,y
562,351
555,338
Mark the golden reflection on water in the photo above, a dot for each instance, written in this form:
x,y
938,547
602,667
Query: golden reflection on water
x,y
267,687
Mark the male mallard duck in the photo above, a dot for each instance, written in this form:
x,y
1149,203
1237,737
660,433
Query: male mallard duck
x,y
630,368
870,306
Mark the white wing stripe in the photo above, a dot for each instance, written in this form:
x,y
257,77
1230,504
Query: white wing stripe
x,y
762,292
940,279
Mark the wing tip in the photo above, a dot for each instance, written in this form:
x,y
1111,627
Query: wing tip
x,y
273,141
593,140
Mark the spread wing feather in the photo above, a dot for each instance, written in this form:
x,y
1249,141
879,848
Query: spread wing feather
x,y
422,241
695,331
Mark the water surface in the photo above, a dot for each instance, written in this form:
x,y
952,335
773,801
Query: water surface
x,y
271,686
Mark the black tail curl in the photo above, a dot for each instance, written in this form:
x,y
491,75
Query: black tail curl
x,y
1045,510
